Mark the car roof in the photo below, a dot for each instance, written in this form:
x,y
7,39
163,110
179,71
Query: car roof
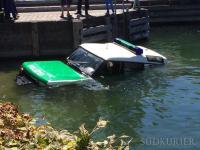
x,y
111,51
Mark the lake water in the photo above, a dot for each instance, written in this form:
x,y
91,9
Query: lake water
x,y
152,106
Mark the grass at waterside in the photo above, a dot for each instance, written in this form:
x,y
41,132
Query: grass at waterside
x,y
18,131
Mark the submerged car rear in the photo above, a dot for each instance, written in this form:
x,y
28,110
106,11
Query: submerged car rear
x,y
52,72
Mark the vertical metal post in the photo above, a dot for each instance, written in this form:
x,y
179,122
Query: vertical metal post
x,y
1,12
123,6
109,29
115,7
1,16
35,39
123,19
114,23
77,32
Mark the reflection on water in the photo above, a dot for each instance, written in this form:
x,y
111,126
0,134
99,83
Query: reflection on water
x,y
157,102
94,85
90,84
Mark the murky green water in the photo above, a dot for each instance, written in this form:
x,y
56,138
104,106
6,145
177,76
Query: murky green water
x,y
162,102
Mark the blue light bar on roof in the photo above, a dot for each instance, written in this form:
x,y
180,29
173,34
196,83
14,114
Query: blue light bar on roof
x,y
134,48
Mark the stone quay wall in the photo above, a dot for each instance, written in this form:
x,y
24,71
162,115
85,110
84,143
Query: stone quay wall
x,y
36,39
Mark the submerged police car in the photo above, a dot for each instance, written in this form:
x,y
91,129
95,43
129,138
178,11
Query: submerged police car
x,y
89,60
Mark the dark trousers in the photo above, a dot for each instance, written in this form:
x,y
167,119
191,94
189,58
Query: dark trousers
x,y
1,5
9,7
79,6
109,5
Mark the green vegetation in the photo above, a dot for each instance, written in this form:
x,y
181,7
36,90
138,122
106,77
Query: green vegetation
x,y
18,131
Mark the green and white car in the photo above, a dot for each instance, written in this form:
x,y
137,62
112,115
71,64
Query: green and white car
x,y
89,60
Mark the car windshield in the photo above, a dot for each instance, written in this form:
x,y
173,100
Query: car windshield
x,y
84,61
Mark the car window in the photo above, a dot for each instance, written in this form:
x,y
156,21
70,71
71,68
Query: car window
x,y
85,61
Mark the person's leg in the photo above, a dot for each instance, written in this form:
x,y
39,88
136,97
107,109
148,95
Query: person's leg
x,y
6,9
111,6
62,11
63,3
13,9
79,6
86,7
107,7
68,8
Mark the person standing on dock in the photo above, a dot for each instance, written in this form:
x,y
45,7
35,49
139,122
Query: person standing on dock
x,y
10,7
109,5
79,7
63,3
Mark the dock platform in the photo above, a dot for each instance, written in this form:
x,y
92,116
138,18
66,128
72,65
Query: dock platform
x,y
37,34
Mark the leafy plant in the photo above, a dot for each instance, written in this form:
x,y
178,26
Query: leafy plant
x,y
18,131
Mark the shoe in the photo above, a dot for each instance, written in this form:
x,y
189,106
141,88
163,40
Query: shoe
x,y
16,17
69,16
8,18
88,16
61,16
107,13
79,13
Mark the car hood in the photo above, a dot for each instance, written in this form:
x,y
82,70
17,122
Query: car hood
x,y
52,72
